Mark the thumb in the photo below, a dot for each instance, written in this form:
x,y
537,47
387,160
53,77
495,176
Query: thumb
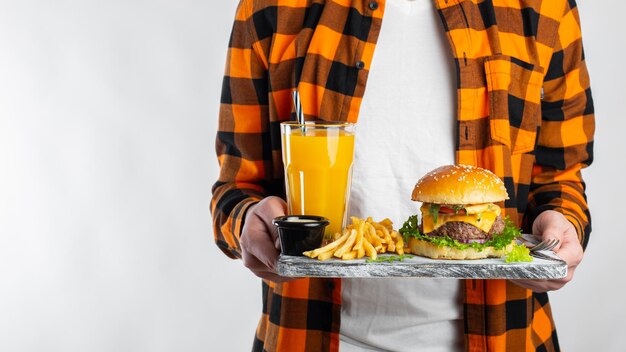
x,y
547,228
273,208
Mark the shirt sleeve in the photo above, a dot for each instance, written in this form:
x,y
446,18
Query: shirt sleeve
x,y
565,141
243,150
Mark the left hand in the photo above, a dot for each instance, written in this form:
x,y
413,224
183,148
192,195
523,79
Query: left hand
x,y
552,224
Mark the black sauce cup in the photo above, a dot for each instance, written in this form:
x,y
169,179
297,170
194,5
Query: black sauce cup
x,y
300,233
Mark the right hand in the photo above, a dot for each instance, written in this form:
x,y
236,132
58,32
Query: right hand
x,y
259,241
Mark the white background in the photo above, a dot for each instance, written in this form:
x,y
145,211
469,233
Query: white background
x,y
108,113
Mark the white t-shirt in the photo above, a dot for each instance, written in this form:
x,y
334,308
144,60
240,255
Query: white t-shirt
x,y
406,128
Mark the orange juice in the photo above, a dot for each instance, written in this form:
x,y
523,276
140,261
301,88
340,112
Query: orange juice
x,y
318,169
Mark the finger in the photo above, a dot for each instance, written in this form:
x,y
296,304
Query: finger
x,y
277,244
553,225
275,277
259,269
546,285
540,285
273,208
254,264
263,248
552,231
571,253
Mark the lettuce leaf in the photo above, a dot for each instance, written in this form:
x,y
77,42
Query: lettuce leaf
x,y
519,253
499,241
434,211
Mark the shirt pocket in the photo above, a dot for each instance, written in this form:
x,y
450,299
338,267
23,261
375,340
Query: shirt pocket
x,y
514,90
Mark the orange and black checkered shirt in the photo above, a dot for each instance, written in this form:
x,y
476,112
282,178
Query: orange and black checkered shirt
x,y
524,111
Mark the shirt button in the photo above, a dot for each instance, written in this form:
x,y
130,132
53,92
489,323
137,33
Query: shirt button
x,y
373,5
360,65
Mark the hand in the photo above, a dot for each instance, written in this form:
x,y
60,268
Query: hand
x,y
552,224
259,241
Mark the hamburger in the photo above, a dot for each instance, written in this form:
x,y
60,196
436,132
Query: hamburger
x,y
459,215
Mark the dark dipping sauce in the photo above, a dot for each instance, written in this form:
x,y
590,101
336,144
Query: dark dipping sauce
x,y
300,233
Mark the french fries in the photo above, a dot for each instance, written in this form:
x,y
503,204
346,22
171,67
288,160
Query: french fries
x,y
364,237
328,248
346,247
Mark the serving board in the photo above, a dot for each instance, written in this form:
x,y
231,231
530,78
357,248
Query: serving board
x,y
416,266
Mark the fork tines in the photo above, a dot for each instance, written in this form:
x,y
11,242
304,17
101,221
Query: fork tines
x,y
545,245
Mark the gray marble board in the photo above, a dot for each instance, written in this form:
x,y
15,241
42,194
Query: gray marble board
x,y
415,266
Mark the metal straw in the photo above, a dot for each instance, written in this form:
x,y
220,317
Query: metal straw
x,y
298,106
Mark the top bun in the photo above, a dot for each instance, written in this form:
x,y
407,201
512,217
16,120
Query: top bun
x,y
459,184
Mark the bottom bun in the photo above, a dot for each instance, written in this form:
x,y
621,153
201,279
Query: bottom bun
x,y
428,249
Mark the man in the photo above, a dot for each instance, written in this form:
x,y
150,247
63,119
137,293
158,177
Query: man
x,y
524,111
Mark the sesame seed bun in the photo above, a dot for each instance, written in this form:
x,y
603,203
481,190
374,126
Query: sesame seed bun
x,y
459,184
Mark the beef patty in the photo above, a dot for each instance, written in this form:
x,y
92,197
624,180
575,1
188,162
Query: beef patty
x,y
464,232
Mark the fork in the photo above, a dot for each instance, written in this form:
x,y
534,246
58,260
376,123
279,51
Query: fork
x,y
531,242
545,245
541,249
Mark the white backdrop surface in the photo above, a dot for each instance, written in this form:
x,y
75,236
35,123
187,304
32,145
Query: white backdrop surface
x,y
108,111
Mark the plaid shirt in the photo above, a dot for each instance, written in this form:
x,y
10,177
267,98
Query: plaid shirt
x,y
524,111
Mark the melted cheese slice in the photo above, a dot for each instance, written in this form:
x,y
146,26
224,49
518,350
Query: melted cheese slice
x,y
481,208
480,215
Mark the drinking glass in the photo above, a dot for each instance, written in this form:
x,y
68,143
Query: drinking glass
x,y
318,169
